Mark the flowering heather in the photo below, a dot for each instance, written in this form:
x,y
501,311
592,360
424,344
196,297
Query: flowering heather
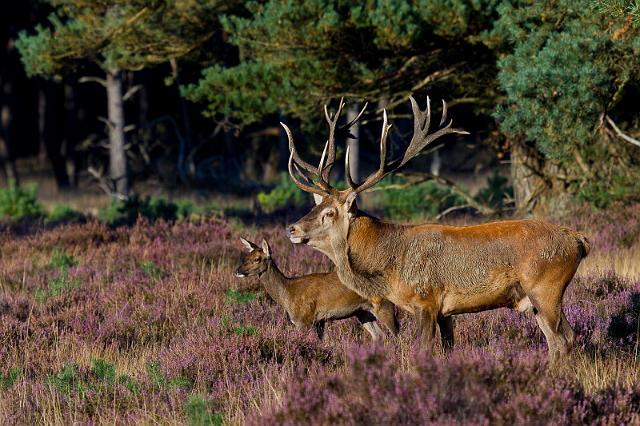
x,y
147,324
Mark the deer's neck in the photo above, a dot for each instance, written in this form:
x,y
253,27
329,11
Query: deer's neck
x,y
275,284
365,256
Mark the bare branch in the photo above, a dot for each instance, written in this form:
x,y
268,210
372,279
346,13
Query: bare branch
x,y
621,134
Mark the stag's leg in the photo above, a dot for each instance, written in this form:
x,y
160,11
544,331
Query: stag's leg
x,y
385,313
368,321
319,327
446,332
549,316
567,331
427,322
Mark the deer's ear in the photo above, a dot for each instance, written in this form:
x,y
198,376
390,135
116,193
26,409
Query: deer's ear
x,y
265,248
248,244
317,198
350,204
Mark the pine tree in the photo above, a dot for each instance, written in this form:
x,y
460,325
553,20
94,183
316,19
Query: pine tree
x,y
566,66
117,35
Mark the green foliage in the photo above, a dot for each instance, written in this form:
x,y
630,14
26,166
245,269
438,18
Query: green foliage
x,y
235,296
127,212
61,260
152,270
118,35
199,413
103,370
285,195
494,194
68,380
244,330
605,193
19,202
101,378
294,56
57,286
159,381
627,11
62,283
413,202
12,376
560,74
64,213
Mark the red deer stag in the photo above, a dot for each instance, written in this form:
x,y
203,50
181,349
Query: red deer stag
x,y
312,300
432,270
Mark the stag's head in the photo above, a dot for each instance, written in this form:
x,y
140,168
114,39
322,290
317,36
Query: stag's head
x,y
256,261
335,209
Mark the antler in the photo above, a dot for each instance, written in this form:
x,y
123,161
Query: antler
x,y
421,138
327,160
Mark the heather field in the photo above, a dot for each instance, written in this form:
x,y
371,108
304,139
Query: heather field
x,y
147,324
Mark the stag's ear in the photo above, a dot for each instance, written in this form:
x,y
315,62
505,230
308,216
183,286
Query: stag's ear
x,y
265,248
317,198
248,244
350,204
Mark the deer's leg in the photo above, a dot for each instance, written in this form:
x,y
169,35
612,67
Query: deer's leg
x,y
427,321
557,332
385,313
319,327
446,332
368,321
567,331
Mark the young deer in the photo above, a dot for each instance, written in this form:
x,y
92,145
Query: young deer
x,y
312,300
436,271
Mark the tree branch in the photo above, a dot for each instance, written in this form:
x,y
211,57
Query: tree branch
x,y
621,134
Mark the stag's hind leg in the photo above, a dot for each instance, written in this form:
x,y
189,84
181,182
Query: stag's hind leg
x,y
553,323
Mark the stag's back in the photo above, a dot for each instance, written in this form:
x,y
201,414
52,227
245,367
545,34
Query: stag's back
x,y
472,258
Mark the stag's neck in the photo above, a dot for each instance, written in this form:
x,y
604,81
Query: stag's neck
x,y
275,284
366,255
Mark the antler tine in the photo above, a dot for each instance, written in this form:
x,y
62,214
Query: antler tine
x,y
292,148
421,136
355,120
323,159
444,113
420,139
383,167
332,121
347,170
305,187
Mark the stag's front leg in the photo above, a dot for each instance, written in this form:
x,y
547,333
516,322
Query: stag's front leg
x,y
385,313
427,324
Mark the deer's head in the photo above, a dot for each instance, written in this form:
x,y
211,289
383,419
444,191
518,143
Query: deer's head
x,y
335,209
256,261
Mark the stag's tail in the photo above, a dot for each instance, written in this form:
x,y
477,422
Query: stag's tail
x,y
583,243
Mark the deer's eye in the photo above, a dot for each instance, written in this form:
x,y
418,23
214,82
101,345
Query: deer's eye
x,y
256,260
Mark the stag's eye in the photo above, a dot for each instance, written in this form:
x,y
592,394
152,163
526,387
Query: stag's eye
x,y
256,260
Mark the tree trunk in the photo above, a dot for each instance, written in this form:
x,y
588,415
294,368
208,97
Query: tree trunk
x,y
7,159
354,144
117,153
537,186
51,121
